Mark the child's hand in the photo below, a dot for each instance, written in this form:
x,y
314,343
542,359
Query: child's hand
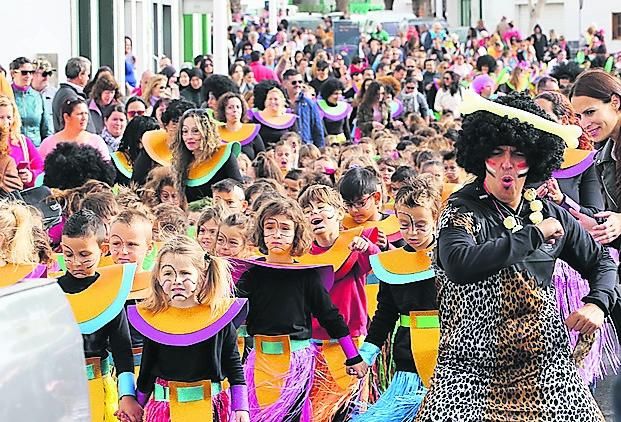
x,y
129,410
382,240
359,244
242,416
359,370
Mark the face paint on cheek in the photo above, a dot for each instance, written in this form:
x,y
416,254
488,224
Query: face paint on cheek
x,y
490,167
522,169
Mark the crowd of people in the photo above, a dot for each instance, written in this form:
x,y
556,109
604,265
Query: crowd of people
x,y
422,229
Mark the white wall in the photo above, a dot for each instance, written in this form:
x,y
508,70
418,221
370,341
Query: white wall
x,y
31,27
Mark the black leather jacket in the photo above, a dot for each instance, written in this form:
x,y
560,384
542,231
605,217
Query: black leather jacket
x,y
606,172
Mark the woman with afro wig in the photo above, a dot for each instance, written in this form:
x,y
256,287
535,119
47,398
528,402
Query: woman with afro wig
x,y
503,351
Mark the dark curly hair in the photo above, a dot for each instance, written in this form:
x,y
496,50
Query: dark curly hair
x,y
483,131
175,110
569,70
71,164
218,85
223,101
486,60
262,88
130,142
330,86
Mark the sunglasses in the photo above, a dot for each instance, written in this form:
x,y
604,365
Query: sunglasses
x,y
26,72
409,87
134,113
163,87
46,74
296,82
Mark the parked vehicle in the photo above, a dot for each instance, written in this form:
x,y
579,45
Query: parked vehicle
x,y
41,357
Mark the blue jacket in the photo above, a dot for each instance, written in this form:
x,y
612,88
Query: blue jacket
x,y
310,123
36,121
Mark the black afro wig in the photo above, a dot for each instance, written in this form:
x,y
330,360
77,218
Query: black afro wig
x,y
70,165
569,70
483,131
488,61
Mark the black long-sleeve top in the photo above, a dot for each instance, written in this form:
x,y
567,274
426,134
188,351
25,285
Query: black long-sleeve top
x,y
230,170
480,246
214,359
271,136
281,302
142,166
585,190
394,300
251,149
113,336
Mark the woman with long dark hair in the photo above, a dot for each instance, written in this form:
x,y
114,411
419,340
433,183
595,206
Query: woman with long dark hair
x,y
450,94
373,112
130,146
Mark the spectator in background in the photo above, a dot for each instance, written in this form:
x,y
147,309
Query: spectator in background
x,y
144,79
413,100
460,67
236,72
484,86
547,83
154,89
249,81
539,41
450,95
310,123
260,71
36,123
115,122
41,83
103,70
104,96
253,39
130,64
192,92
322,75
77,72
135,106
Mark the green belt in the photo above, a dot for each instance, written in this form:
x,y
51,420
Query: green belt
x,y
422,321
278,348
242,331
185,394
106,368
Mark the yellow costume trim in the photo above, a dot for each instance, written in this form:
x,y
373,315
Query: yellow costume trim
x,y
141,286
243,134
91,302
337,254
155,143
12,273
424,343
571,157
400,261
195,410
389,225
184,321
270,369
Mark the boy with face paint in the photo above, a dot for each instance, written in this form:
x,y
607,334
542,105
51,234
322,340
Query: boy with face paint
x,y
85,286
348,252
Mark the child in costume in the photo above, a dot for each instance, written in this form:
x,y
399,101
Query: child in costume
x,y
131,240
190,353
282,298
348,252
229,193
97,297
234,237
406,296
361,190
18,252
207,228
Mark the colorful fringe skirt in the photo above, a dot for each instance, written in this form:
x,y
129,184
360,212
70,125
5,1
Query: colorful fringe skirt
x,y
291,388
336,399
399,403
570,289
158,407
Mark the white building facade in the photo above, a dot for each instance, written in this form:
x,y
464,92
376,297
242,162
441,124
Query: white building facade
x,y
567,17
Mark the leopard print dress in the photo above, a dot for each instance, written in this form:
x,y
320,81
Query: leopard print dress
x,y
504,353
